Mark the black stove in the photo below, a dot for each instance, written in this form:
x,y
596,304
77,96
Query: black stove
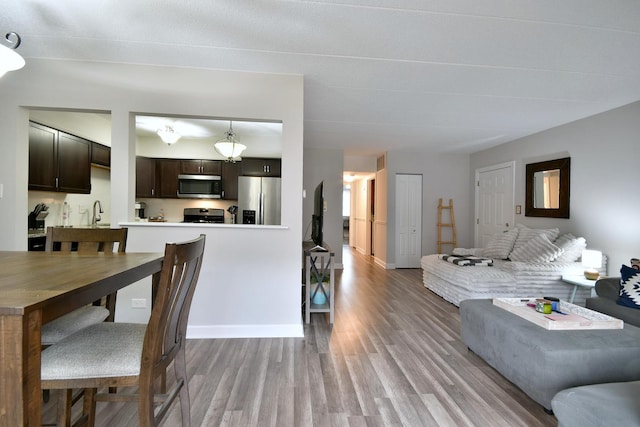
x,y
204,215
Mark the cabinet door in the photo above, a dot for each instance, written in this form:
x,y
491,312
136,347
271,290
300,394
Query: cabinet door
x,y
100,154
145,177
201,167
167,173
190,167
230,173
273,167
261,167
43,145
74,164
212,167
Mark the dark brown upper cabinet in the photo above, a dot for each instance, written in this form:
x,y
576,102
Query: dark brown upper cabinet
x,y
252,166
201,167
100,155
58,161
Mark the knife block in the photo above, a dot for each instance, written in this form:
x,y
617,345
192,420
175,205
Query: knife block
x,y
35,223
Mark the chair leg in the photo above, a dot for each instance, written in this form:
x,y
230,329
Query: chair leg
x,y
64,407
180,368
89,406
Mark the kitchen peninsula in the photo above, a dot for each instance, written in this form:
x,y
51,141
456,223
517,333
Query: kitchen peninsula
x,y
242,254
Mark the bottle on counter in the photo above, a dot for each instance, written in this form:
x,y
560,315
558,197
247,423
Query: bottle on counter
x,y
65,214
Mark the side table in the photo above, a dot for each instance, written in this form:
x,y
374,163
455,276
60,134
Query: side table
x,y
578,280
319,278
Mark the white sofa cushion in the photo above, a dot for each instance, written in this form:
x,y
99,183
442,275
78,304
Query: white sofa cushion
x,y
572,246
501,245
538,249
525,234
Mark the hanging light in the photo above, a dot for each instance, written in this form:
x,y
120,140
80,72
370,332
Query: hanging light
x,y
168,135
10,59
230,147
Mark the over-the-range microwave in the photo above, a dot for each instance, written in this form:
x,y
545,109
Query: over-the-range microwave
x,y
199,186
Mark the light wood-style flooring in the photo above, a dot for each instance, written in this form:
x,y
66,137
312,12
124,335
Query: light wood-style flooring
x,y
393,358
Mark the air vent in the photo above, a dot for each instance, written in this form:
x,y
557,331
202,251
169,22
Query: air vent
x,y
382,162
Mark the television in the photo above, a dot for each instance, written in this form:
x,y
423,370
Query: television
x,y
317,218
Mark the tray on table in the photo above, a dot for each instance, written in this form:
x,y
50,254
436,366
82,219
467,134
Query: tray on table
x,y
575,317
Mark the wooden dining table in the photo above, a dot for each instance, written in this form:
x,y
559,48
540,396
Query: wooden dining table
x,y
36,287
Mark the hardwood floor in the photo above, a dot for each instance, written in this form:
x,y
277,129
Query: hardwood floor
x,y
393,358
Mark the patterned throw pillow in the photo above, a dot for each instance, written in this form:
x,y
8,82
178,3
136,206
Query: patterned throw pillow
x,y
572,246
500,246
525,234
629,287
538,249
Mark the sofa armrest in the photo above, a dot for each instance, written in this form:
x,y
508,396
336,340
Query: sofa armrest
x,y
608,287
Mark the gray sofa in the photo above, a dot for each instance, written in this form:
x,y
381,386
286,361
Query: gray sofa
x,y
542,362
608,290
598,405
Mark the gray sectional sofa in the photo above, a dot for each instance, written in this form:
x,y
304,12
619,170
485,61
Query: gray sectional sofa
x,y
608,291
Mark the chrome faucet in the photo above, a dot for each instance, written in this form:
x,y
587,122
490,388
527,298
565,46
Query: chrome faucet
x,y
96,218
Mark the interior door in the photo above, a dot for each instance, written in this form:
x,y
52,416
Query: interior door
x,y
408,220
494,201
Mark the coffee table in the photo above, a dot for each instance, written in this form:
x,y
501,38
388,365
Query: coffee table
x,y
543,362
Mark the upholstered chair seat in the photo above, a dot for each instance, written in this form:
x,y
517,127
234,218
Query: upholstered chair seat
x,y
98,351
70,323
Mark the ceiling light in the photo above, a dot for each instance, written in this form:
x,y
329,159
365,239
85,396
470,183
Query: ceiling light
x,y
229,147
10,59
168,135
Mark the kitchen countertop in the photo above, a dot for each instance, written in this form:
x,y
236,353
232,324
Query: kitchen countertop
x,y
199,225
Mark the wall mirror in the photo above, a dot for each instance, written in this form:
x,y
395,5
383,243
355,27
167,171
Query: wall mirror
x,y
547,188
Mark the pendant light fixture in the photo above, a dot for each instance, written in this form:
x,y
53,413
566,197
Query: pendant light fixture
x,y
168,135
230,147
10,59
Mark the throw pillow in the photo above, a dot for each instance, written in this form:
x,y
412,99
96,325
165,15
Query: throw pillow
x,y
525,234
572,246
629,287
500,245
538,249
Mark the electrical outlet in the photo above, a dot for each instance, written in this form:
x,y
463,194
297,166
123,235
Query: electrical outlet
x,y
138,303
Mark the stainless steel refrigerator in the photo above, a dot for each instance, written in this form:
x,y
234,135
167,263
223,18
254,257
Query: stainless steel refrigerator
x,y
259,200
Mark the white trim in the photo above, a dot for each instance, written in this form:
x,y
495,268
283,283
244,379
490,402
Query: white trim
x,y
512,165
245,331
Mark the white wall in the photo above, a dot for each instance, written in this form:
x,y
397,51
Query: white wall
x,y
324,165
443,175
605,153
125,89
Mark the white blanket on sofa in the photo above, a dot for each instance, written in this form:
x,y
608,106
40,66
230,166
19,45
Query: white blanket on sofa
x,y
506,279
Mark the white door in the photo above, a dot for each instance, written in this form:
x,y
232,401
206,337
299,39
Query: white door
x,y
494,201
408,220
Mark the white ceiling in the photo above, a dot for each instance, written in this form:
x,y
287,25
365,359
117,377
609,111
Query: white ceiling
x,y
444,75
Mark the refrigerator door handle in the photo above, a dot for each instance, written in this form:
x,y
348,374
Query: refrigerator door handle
x,y
261,208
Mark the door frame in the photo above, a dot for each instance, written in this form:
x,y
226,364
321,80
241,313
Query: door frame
x,y
512,165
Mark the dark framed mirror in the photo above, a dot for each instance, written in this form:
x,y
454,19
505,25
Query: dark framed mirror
x,y
547,188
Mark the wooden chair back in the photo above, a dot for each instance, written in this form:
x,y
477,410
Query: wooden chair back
x,y
86,239
166,331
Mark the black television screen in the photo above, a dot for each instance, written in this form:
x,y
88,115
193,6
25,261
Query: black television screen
x,y
318,211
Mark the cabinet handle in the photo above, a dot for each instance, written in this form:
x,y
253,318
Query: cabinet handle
x,y
153,192
56,182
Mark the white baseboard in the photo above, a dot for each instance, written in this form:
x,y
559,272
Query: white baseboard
x,y
245,331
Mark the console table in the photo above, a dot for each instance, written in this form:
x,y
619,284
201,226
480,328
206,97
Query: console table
x,y
319,276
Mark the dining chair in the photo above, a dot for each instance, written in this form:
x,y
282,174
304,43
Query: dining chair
x,y
82,240
130,354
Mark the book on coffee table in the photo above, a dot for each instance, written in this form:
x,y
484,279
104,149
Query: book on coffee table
x,y
568,317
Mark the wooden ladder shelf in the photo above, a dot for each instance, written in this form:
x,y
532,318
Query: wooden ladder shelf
x,y
451,224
